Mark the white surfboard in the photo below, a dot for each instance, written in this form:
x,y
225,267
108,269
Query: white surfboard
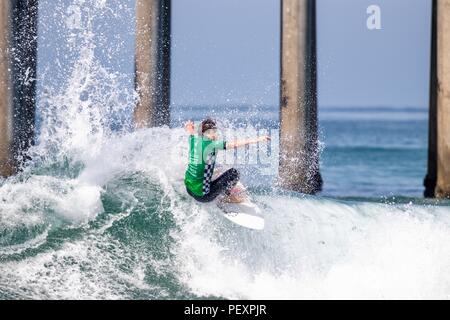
x,y
246,214
243,214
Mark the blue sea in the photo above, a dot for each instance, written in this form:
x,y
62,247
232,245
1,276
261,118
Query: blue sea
x,y
374,152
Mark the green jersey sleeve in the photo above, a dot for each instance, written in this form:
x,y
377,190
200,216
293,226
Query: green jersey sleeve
x,y
219,145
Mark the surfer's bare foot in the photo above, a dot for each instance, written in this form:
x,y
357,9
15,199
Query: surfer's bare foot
x,y
237,195
234,199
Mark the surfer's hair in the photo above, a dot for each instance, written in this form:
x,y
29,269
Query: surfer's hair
x,y
208,124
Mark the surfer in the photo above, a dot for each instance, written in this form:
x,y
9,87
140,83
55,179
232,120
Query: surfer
x,y
203,148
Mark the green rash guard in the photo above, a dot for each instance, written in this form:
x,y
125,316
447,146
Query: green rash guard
x,y
202,158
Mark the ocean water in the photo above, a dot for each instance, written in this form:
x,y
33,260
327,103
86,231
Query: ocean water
x,y
101,211
374,152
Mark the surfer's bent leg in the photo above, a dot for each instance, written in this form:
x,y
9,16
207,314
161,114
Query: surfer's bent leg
x,y
222,184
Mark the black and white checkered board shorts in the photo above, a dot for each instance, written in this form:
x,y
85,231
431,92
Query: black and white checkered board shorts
x,y
209,170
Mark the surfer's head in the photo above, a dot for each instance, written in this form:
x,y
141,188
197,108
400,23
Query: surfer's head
x,y
208,129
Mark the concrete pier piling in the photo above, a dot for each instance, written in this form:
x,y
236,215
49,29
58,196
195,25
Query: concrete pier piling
x,y
153,62
443,98
6,95
299,154
18,56
437,182
431,177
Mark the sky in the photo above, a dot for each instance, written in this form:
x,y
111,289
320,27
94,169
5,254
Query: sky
x,y
226,52
362,67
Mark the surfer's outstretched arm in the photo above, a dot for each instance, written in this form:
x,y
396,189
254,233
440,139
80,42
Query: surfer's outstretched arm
x,y
243,143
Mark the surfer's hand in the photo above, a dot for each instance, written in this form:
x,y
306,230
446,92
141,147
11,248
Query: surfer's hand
x,y
264,138
190,127
243,143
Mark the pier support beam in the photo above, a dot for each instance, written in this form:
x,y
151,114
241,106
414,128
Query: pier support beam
x,y
6,94
18,56
443,98
299,154
437,182
152,62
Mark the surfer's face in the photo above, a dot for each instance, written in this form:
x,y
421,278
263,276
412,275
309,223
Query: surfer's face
x,y
211,134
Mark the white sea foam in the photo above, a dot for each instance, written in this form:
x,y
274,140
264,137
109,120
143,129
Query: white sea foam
x,y
321,249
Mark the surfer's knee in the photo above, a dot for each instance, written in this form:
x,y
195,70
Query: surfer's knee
x,y
235,173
